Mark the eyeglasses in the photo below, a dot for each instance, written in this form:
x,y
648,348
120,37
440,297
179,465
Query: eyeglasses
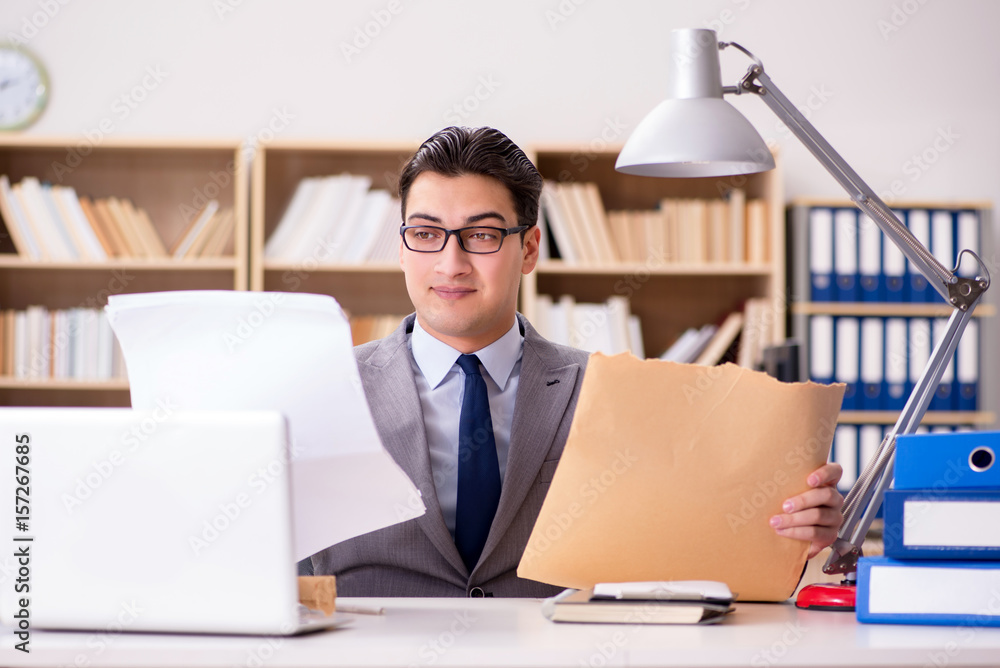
x,y
478,240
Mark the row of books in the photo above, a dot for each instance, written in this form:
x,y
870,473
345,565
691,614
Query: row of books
x,y
880,359
851,260
337,219
365,328
854,445
941,536
74,343
51,222
608,327
681,230
740,338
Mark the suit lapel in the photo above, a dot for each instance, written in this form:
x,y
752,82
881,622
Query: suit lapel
x,y
395,406
543,394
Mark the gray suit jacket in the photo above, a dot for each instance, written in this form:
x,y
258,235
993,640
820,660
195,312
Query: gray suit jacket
x,y
419,557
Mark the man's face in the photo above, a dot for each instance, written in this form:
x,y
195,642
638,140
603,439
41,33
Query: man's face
x,y
466,300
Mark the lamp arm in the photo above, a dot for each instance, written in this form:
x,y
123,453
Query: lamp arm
x,y
962,293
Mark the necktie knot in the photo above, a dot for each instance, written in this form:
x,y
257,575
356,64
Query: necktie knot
x,y
469,364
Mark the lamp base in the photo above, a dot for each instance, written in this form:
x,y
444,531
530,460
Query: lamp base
x,y
839,597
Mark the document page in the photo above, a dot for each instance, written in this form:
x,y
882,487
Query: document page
x,y
280,351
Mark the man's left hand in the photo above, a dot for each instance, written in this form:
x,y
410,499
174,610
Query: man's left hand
x,y
813,515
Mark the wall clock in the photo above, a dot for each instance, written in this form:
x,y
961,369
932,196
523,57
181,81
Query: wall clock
x,y
24,87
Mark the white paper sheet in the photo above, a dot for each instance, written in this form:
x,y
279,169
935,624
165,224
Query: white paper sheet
x,y
273,350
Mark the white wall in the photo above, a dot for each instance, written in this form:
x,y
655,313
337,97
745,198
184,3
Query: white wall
x,y
881,96
891,82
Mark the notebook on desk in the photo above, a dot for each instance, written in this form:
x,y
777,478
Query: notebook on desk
x,y
161,520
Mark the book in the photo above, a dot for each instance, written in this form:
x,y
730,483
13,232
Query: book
x,y
720,344
894,591
17,224
681,602
928,524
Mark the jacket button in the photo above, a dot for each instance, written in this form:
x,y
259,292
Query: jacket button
x,y
476,592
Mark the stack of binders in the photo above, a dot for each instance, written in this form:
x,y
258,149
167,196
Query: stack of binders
x,y
942,535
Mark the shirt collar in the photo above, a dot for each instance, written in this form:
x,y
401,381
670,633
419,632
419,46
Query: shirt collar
x,y
436,358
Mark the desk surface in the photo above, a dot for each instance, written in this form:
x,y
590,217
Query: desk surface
x,y
512,632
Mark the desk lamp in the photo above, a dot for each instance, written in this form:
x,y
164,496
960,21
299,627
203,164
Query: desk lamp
x,y
695,133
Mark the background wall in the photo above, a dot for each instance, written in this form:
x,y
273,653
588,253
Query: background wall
x,y
906,90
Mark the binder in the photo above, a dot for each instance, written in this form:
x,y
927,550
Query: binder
x,y
869,438
821,348
870,260
821,254
847,362
845,255
892,591
894,283
958,460
942,244
896,370
967,368
958,524
845,453
967,238
872,368
942,400
919,350
919,222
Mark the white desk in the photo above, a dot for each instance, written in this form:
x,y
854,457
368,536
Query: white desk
x,y
499,632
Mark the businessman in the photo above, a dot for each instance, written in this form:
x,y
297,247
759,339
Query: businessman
x,y
469,399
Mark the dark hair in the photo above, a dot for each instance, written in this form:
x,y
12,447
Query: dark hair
x,y
456,151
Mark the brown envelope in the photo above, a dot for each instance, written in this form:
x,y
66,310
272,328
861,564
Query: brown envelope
x,y
671,472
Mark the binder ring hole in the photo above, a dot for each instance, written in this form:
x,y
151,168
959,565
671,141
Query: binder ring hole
x,y
981,458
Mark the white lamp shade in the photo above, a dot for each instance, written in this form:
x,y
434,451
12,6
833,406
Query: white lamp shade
x,y
694,132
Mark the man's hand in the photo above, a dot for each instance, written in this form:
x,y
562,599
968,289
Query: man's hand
x,y
814,515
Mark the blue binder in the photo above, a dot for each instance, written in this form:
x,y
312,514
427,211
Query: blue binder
x,y
847,359
892,591
967,369
893,277
958,460
845,255
942,244
944,395
821,254
870,277
957,524
895,364
872,363
919,222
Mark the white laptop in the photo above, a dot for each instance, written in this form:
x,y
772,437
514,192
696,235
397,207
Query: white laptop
x,y
162,520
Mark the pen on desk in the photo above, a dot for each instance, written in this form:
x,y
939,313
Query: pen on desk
x,y
361,609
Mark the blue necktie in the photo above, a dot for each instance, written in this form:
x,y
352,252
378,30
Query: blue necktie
x,y
478,468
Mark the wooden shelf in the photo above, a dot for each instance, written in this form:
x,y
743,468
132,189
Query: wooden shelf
x,y
895,309
668,298
114,384
169,178
930,417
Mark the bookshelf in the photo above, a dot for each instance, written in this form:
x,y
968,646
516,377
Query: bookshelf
x,y
169,179
828,287
668,296
361,288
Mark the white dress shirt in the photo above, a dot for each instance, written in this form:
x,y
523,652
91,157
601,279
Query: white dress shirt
x,y
441,387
